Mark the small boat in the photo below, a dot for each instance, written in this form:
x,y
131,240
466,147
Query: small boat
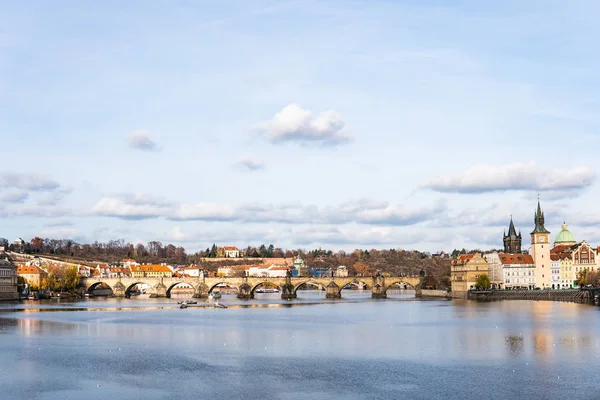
x,y
267,290
187,302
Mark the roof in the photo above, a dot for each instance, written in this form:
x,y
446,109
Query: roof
x,y
29,270
561,248
462,258
230,248
559,256
565,236
150,268
506,258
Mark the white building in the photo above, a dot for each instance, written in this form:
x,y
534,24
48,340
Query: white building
x,y
556,282
231,252
495,270
341,272
519,271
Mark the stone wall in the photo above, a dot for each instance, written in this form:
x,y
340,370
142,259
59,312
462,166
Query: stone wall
x,y
574,295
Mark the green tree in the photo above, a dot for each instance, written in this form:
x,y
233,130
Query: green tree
x,y
71,279
483,282
20,284
213,251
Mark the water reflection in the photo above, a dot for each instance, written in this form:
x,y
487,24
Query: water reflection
x,y
515,345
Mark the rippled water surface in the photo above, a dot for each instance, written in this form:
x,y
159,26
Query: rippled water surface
x,y
310,348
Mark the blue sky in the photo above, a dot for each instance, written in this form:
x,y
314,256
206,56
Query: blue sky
x,y
337,124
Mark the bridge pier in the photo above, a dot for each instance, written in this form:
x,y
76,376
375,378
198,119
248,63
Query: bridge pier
x,y
287,291
378,289
332,291
201,291
245,292
160,290
378,292
119,289
418,291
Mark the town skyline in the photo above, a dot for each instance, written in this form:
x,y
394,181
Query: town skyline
x,y
421,127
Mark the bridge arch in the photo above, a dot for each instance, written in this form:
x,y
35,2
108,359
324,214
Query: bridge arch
x,y
312,282
269,283
173,285
367,284
214,286
95,285
401,285
132,285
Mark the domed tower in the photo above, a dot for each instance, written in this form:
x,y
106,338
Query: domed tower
x,y
512,241
564,237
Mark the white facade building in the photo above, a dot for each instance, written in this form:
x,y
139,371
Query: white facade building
x,y
495,270
231,252
519,271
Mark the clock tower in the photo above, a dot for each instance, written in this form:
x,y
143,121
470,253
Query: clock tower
x,y
540,250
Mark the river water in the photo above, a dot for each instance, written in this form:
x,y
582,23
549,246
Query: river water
x,y
310,348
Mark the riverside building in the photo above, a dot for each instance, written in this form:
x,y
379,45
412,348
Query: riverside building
x,y
8,281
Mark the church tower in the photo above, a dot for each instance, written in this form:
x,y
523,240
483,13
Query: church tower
x,y
512,241
540,250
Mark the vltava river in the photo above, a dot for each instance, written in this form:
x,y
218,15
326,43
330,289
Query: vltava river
x,y
355,348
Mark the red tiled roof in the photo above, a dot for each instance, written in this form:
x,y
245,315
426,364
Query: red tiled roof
x,y
560,248
29,270
506,258
230,248
462,258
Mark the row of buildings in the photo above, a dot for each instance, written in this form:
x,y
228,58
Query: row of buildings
x,y
547,264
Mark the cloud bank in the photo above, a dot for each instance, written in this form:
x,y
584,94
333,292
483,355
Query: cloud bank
x,y
367,212
484,178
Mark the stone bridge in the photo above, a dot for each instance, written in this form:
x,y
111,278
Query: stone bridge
x,y
161,287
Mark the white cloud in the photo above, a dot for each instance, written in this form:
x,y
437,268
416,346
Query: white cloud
x,y
489,178
249,163
296,124
128,206
27,181
140,140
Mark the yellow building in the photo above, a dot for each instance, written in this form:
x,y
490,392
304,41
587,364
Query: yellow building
x,y
32,274
464,271
151,271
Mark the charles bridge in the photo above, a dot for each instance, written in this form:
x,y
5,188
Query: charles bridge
x,y
246,286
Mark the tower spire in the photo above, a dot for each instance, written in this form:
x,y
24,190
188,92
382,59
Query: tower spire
x,y
539,219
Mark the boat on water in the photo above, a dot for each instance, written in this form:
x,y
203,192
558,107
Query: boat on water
x,y
267,290
187,302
